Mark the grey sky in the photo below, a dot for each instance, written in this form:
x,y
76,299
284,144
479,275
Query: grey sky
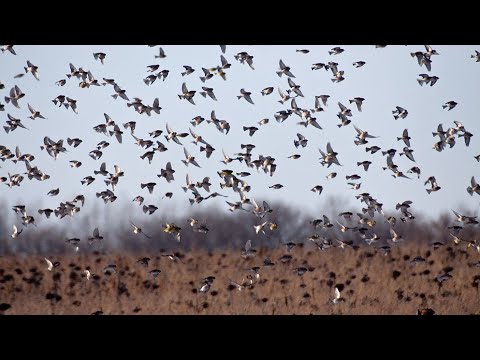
x,y
388,79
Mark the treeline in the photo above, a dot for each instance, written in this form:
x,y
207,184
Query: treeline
x,y
226,230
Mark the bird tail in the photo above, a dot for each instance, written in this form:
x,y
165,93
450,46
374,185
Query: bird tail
x,y
279,73
444,106
115,96
202,78
470,190
202,148
429,190
7,99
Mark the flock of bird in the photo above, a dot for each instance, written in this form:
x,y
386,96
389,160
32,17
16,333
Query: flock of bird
x,y
233,184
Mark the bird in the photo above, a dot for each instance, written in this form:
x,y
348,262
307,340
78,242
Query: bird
x,y
251,130
284,70
408,153
302,141
100,56
336,50
259,228
33,69
400,113
246,95
405,137
475,56
161,54
337,299
358,101
208,91
96,236
137,230
426,312
248,251
15,232
276,186
190,159
186,94
87,274
188,70
450,105
358,64
394,236
15,94
267,91
474,188
8,48
51,265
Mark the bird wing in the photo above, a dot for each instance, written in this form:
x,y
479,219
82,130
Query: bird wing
x,y
248,98
223,60
329,148
49,263
266,207
456,214
169,130
358,130
393,233
30,108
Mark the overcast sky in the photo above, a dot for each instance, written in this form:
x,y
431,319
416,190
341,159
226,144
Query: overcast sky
x,y
388,79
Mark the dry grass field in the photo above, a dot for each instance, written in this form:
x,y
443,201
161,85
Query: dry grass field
x,y
371,283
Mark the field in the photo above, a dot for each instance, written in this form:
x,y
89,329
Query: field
x,y
371,282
